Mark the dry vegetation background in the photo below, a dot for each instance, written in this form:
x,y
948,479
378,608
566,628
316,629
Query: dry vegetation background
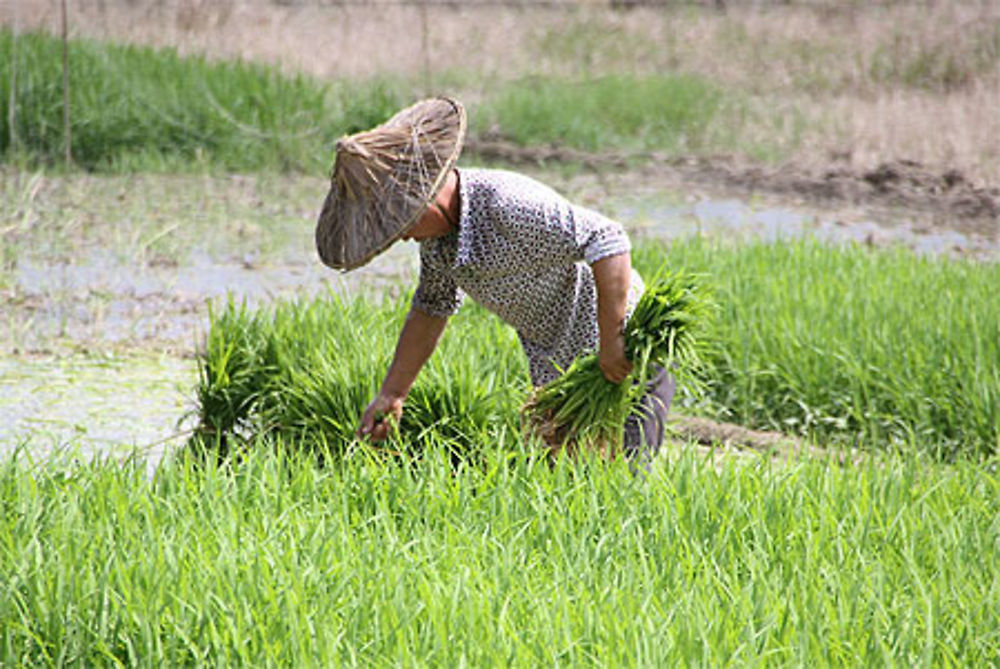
x,y
825,82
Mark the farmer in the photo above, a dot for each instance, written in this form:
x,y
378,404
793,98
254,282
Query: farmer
x,y
560,274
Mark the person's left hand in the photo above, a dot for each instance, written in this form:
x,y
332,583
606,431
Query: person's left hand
x,y
611,358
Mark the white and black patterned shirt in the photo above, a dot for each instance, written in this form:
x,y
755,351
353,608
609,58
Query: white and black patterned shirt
x,y
524,252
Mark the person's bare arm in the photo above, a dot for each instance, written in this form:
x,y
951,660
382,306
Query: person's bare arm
x,y
612,276
417,341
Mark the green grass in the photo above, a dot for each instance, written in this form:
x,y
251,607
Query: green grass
x,y
845,345
140,108
136,109
278,561
663,112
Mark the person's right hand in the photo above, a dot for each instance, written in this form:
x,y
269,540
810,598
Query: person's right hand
x,y
382,415
612,359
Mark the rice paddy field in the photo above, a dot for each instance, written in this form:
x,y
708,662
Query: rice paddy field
x,y
507,562
904,364
181,381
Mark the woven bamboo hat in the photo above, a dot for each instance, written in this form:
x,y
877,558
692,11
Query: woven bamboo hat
x,y
385,178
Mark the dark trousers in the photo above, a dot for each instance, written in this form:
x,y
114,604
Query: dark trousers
x,y
644,429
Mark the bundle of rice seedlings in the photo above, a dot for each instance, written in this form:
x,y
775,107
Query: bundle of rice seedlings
x,y
581,408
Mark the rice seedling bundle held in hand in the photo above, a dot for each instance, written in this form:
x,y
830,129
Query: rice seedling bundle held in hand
x,y
582,408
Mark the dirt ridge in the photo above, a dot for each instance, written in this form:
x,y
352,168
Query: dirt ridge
x,y
735,439
898,184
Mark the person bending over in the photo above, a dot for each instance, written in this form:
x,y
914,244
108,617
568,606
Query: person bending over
x,y
559,273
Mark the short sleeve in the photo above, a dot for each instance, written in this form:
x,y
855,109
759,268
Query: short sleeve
x,y
437,292
598,236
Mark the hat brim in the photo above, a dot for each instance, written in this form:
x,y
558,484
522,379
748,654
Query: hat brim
x,y
384,180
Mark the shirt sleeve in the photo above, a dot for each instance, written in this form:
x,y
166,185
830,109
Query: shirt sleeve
x,y
598,236
437,292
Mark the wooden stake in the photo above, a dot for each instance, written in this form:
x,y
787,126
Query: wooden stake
x,y
425,47
67,136
12,106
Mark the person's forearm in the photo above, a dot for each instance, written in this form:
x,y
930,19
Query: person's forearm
x,y
612,276
417,342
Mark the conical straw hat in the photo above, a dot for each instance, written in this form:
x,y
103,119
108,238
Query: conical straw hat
x,y
384,179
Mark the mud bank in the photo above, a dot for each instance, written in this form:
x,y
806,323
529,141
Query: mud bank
x,y
949,197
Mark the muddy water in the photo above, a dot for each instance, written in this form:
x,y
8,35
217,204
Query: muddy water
x,y
102,360
61,389
86,405
100,300
737,219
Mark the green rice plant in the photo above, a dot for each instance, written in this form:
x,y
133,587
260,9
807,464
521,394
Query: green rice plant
x,y
305,370
844,345
140,108
130,103
582,407
864,347
663,327
277,561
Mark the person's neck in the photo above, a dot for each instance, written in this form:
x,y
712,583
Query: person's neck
x,y
449,200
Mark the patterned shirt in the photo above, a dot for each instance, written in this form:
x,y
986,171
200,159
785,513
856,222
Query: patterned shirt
x,y
524,252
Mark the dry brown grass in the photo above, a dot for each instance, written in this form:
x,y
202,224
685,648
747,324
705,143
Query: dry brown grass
x,y
824,81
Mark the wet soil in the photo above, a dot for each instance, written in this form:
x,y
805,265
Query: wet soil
x,y
945,196
719,440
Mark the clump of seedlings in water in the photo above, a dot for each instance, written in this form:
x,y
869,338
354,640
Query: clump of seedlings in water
x,y
582,408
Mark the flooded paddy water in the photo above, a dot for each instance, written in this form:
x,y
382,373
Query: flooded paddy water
x,y
745,221
114,406
107,282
